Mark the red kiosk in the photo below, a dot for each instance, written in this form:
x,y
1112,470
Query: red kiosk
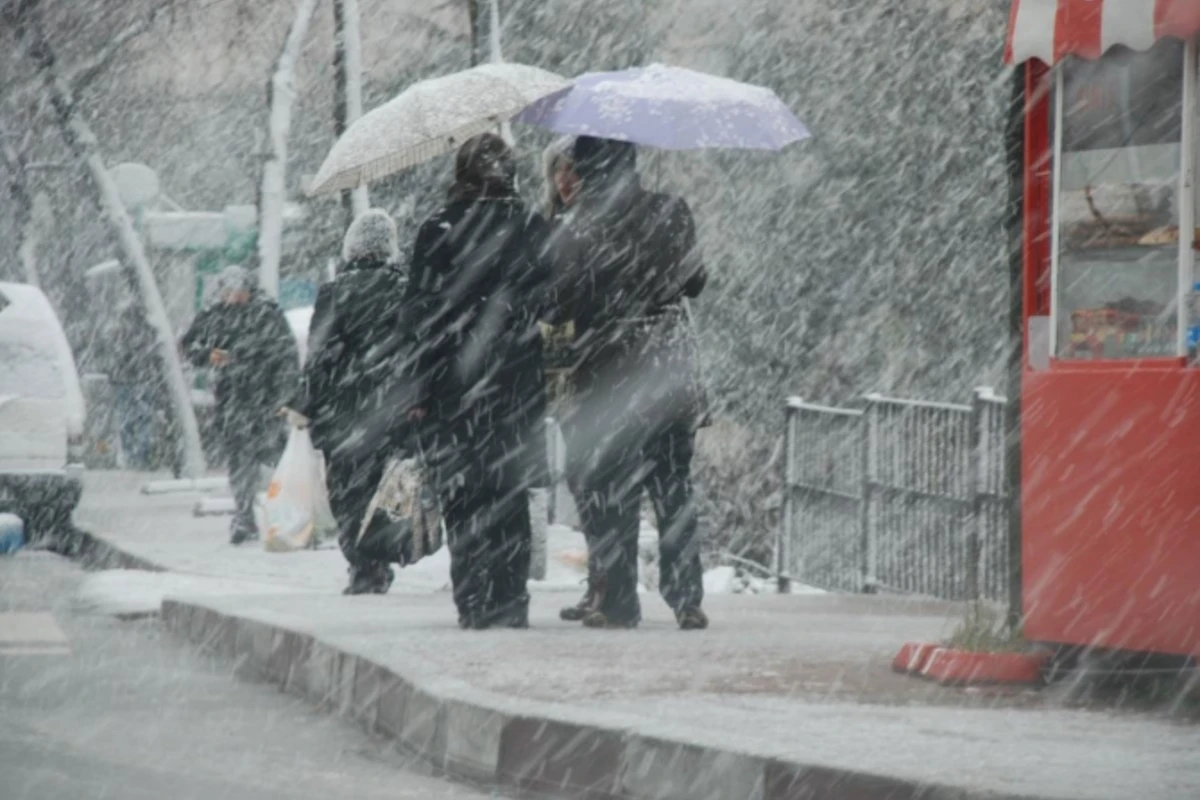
x,y
1110,431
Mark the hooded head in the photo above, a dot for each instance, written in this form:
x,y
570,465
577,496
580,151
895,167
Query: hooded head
x,y
234,285
371,238
557,166
484,167
602,164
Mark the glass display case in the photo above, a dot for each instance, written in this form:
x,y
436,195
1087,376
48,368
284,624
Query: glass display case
x,y
1120,272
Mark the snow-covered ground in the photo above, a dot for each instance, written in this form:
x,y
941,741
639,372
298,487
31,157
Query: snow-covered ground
x,y
134,592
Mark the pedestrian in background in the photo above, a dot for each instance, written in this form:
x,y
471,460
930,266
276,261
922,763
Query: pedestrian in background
x,y
246,341
357,346
139,392
477,285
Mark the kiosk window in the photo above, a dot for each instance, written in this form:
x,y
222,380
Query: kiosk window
x,y
1117,279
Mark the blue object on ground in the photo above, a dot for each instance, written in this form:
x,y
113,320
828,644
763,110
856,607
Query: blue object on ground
x,y
12,533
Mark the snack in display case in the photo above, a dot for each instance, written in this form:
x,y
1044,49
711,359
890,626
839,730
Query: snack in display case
x,y
1168,234
1119,215
1126,328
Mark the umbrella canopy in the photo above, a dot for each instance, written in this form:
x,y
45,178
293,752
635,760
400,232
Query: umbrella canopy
x,y
670,108
430,118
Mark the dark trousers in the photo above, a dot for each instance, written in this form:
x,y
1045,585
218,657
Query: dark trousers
x,y
352,481
608,493
491,541
253,442
135,408
246,464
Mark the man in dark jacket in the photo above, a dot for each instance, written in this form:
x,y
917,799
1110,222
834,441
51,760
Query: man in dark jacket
x,y
356,347
628,259
246,339
478,277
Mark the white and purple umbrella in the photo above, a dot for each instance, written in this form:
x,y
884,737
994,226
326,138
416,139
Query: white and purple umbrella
x,y
670,108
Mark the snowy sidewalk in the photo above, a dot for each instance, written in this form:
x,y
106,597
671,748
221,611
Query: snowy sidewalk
x,y
785,696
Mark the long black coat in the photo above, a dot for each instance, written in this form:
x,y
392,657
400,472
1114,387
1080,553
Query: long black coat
x,y
478,283
626,259
352,391
262,371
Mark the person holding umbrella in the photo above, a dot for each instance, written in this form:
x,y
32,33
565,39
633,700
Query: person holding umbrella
x,y
635,265
476,288
628,260
561,188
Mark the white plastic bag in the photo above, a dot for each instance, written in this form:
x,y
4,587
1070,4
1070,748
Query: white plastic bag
x,y
296,510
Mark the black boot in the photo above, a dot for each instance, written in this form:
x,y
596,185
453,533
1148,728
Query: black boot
x,y
577,612
601,614
242,533
691,619
370,580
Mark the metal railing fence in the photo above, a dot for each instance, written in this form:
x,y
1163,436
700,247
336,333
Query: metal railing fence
x,y
899,495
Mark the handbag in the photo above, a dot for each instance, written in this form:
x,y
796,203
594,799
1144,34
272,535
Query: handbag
x,y
403,522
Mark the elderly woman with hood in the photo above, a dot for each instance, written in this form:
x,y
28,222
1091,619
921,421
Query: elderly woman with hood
x,y
477,285
351,396
629,259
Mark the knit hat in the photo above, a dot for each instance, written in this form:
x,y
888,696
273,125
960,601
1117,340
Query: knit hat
x,y
371,237
235,278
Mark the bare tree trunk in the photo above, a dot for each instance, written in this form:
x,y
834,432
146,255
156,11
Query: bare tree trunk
x,y
78,135
281,92
494,53
347,107
28,251
496,56
476,23
22,204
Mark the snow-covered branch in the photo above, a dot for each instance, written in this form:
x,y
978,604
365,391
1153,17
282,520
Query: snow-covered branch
x,y
82,141
281,93
84,73
348,77
23,206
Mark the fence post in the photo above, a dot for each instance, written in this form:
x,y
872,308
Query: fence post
x,y
975,487
867,452
783,544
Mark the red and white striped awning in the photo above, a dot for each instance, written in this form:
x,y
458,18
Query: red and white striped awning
x,y
1050,29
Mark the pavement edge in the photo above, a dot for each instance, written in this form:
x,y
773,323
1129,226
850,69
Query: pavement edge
x,y
95,553
502,745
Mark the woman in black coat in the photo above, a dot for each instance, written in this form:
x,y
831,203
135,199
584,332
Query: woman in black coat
x,y
357,343
477,282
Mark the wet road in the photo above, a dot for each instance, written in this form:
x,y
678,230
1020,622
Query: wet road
x,y
92,707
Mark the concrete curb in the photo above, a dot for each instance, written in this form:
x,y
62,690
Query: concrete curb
x,y
94,553
524,747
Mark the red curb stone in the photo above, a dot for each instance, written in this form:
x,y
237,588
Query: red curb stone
x,y
951,667
913,657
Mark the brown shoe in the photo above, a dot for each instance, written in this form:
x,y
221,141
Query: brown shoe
x,y
691,619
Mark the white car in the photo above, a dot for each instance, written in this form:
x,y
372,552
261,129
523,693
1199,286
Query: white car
x,y
42,413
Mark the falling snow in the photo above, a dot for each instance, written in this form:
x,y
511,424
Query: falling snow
x,y
847,167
